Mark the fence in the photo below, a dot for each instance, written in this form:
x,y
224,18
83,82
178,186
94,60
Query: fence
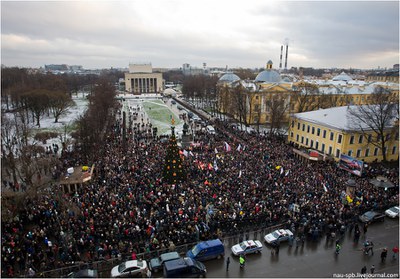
x,y
105,265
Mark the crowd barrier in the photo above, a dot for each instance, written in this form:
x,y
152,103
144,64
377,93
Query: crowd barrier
x,y
104,266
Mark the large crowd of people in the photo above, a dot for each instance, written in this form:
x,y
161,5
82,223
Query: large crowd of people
x,y
127,208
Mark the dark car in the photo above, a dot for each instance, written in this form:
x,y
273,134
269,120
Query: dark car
x,y
372,216
84,273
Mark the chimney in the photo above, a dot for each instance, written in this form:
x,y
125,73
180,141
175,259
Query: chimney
x,y
287,49
280,61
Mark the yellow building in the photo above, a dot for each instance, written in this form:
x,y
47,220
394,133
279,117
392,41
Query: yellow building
x,y
332,132
141,79
255,102
270,100
384,76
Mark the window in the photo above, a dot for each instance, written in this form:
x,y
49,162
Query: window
x,y
318,132
297,138
324,134
330,150
304,127
337,153
376,151
302,139
331,137
369,138
316,145
360,139
351,139
292,123
312,143
313,130
308,128
339,140
350,152
291,134
384,150
387,137
394,149
367,152
323,147
358,155
306,141
298,126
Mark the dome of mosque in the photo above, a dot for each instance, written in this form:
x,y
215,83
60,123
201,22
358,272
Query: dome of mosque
x,y
268,76
229,77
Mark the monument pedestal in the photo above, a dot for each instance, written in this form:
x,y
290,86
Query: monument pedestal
x,y
186,141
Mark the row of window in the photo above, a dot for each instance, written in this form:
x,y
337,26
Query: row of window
x,y
310,143
332,134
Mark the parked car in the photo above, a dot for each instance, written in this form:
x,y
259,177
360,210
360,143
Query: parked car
x,y
184,268
392,212
156,264
129,269
278,235
84,273
247,247
207,250
372,216
173,102
210,129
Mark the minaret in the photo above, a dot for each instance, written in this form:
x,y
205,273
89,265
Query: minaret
x,y
280,61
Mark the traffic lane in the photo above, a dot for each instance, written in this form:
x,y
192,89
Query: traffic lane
x,y
315,259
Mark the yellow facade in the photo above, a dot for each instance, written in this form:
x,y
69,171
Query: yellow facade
x,y
334,142
253,103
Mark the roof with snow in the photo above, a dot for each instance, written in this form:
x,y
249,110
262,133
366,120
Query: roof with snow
x,y
338,118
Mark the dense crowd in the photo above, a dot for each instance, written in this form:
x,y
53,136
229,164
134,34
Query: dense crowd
x,y
126,208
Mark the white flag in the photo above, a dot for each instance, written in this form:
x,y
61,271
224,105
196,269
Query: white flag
x,y
185,153
216,151
281,170
215,165
239,147
240,173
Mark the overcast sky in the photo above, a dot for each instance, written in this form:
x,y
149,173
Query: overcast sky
x,y
168,33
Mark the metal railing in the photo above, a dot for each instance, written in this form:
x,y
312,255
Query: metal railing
x,y
104,266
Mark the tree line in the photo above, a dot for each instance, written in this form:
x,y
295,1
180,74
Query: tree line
x,y
26,97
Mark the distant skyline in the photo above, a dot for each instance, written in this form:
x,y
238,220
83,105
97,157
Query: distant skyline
x,y
169,33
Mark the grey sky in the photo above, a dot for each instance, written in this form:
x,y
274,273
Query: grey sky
x,y
168,33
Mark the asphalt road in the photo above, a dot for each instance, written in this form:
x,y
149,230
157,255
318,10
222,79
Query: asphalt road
x,y
315,259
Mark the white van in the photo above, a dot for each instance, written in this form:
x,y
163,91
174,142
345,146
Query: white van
x,y
210,129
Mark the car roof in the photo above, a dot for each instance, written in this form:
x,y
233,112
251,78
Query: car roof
x,y
84,273
168,256
209,243
134,263
249,242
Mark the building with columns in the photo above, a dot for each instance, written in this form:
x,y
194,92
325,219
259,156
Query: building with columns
x,y
142,79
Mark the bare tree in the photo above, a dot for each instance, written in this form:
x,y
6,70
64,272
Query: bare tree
x,y
305,97
59,103
378,117
37,102
278,107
